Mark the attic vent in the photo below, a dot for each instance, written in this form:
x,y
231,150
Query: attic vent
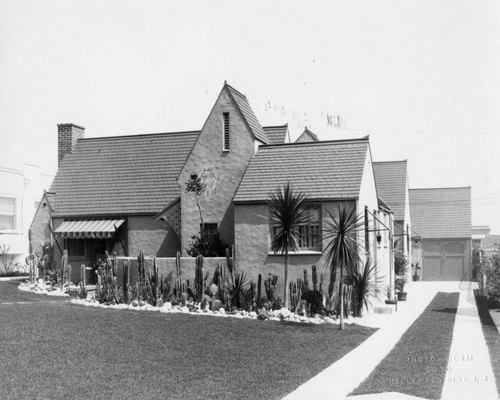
x,y
225,144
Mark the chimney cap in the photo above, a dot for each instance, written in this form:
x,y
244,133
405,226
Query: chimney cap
x,y
70,124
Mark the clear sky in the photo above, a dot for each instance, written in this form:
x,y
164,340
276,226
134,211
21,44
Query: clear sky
x,y
421,77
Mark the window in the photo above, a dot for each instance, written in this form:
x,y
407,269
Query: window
x,y
310,233
8,212
75,247
225,143
209,229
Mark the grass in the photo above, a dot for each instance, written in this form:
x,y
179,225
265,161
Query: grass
x,y
417,364
491,336
50,349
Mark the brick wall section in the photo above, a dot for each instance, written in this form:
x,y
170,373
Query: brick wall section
x,y
67,135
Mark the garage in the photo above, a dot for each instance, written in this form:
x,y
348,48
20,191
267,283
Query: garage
x,y
441,218
444,261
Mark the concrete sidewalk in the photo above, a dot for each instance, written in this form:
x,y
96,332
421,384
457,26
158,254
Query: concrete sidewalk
x,y
342,377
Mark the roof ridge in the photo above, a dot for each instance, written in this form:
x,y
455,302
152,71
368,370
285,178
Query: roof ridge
x,y
139,135
321,142
441,188
236,90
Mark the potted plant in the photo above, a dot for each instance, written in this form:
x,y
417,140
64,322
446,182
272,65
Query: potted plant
x,y
390,298
401,271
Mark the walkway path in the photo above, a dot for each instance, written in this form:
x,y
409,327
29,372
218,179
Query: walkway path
x,y
342,377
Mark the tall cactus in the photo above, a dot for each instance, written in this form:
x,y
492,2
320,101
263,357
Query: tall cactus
x,y
178,264
125,280
64,265
140,267
83,274
259,291
314,277
198,278
68,274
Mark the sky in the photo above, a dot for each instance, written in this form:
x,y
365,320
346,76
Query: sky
x,y
422,78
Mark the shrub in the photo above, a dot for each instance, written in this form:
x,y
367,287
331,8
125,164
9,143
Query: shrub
x,y
492,273
207,245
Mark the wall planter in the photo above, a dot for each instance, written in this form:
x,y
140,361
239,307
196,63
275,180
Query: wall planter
x,y
402,296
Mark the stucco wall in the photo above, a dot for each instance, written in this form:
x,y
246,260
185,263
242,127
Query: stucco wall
x,y
220,171
252,244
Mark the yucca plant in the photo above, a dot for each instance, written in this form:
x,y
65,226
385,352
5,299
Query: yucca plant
x,y
365,286
342,247
288,211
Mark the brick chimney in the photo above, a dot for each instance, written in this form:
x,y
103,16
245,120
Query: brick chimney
x,y
67,135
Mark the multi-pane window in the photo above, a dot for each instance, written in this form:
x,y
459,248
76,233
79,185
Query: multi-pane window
x,y
8,211
75,247
226,131
310,233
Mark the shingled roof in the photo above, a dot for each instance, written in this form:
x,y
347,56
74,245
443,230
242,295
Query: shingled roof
x,y
307,136
276,134
441,212
121,175
390,179
322,170
248,114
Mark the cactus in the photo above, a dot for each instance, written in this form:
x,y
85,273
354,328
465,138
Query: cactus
x,y
68,274
198,278
314,277
184,297
178,264
125,280
140,267
83,274
259,291
305,287
294,295
64,265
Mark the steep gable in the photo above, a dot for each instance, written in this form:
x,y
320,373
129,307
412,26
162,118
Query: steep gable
x,y
441,212
322,170
391,181
121,175
248,115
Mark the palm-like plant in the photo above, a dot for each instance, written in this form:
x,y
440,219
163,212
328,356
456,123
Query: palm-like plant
x,y
342,249
365,286
288,211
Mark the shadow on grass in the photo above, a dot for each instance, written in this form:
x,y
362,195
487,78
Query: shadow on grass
x,y
491,336
417,364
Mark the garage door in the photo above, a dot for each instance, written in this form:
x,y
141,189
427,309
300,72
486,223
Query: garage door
x,y
443,261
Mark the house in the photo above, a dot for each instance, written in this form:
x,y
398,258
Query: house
x,y
330,173
307,136
107,191
442,217
127,193
22,186
391,178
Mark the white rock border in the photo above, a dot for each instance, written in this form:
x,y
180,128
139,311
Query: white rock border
x,y
276,315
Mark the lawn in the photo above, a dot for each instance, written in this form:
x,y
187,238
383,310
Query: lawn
x,y
417,364
56,350
491,336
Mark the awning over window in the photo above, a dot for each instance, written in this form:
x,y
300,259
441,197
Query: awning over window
x,y
88,229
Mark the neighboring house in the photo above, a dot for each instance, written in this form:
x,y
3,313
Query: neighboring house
x,y
20,192
127,193
307,136
490,244
442,217
479,232
329,173
391,178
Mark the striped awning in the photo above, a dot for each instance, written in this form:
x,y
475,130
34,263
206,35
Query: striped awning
x,y
88,229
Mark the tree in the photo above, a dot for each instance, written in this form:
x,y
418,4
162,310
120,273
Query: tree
x,y
288,211
342,249
196,186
